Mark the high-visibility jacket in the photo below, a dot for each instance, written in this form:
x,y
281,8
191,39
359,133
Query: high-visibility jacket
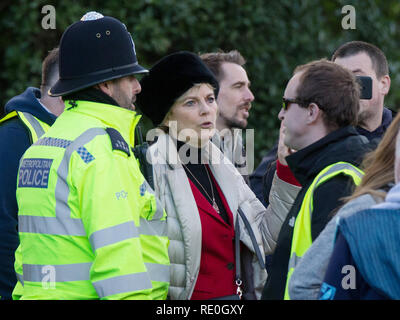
x,y
90,227
302,238
35,127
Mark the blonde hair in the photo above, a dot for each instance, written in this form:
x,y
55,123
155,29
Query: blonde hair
x,y
163,125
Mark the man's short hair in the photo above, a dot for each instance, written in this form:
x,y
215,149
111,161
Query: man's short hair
x,y
214,60
333,88
49,71
378,58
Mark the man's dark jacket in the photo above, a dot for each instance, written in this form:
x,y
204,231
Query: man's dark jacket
x,y
344,144
261,178
263,175
14,140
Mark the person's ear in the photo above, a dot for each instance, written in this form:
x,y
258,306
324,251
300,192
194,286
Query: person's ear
x,y
384,84
314,113
106,87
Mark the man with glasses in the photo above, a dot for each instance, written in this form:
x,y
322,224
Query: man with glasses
x,y
363,59
318,115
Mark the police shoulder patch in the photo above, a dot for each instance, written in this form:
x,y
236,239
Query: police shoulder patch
x,y
117,142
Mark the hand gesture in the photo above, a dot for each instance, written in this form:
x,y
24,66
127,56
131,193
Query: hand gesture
x,y
283,150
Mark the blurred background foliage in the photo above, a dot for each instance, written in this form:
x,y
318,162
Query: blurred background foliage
x,y
274,37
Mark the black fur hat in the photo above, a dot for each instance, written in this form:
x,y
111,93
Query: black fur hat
x,y
168,79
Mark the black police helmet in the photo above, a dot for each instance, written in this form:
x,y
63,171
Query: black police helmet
x,y
94,51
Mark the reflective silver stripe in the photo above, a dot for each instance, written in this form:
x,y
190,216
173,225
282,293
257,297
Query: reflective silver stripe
x,y
20,278
158,272
294,261
153,227
61,272
121,284
159,210
113,234
339,167
51,225
62,223
34,123
335,168
62,188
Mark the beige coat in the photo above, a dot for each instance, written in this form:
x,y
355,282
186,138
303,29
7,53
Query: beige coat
x,y
183,220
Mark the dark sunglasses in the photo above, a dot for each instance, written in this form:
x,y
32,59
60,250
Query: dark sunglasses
x,y
287,102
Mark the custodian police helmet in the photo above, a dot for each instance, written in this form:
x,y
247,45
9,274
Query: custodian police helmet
x,y
93,50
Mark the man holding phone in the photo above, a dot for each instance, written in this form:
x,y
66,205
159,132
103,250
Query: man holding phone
x,y
319,111
371,68
366,60
370,65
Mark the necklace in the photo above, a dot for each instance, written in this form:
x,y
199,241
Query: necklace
x,y
214,203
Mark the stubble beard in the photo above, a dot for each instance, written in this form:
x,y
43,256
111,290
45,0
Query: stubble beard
x,y
233,122
363,118
123,99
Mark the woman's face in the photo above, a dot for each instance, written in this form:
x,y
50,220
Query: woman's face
x,y
193,115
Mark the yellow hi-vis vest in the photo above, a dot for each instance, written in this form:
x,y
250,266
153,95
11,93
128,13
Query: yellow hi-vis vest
x,y
302,239
36,128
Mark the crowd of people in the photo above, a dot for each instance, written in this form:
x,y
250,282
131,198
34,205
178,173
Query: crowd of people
x,y
89,212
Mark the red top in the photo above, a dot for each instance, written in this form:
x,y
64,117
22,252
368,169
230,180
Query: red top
x,y
284,173
217,266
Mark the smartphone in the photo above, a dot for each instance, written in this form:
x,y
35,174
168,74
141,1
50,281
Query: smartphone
x,y
366,87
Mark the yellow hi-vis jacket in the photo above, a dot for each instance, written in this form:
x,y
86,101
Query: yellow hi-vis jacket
x,y
35,127
90,226
302,238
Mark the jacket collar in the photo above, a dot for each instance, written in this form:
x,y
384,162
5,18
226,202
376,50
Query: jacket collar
x,y
29,101
121,119
392,200
387,117
344,144
165,152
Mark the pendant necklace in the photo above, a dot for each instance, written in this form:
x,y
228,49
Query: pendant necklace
x,y
214,203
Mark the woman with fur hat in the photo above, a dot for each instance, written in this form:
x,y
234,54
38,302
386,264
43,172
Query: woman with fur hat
x,y
218,230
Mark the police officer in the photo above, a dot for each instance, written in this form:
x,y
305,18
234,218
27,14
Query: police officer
x,y
28,116
90,226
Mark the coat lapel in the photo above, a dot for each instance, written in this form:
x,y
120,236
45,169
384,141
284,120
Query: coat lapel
x,y
188,213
